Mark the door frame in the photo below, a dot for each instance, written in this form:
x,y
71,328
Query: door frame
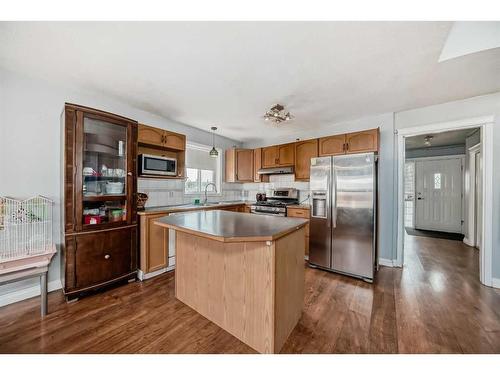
x,y
485,123
462,171
471,239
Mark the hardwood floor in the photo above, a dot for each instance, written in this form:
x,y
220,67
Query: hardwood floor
x,y
435,304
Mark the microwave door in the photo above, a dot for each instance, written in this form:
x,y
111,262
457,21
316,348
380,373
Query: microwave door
x,y
156,165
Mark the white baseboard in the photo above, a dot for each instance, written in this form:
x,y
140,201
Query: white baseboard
x,y
495,283
29,292
468,242
386,262
144,276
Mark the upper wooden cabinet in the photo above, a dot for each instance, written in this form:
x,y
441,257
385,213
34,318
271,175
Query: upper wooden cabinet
x,y
365,141
239,165
286,154
269,157
151,136
304,151
333,145
257,164
350,143
278,156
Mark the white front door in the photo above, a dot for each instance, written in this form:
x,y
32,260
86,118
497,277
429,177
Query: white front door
x,y
439,195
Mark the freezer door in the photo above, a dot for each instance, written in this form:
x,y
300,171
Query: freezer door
x,y
353,247
320,231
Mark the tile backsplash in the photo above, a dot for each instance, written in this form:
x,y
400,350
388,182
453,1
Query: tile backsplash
x,y
171,192
275,182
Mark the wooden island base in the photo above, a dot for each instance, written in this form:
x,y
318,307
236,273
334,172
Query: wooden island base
x,y
254,290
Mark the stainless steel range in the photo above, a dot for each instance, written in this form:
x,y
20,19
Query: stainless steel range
x,y
276,202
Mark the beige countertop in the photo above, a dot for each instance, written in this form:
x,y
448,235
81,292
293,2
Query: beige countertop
x,y
226,226
188,207
302,206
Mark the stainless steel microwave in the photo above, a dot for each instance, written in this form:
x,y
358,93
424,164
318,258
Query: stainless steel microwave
x,y
152,165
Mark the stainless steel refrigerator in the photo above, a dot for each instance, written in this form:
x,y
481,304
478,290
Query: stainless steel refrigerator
x,y
343,214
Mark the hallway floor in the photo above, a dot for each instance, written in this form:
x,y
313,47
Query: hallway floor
x,y
435,304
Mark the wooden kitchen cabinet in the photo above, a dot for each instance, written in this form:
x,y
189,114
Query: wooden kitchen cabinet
x,y
99,226
365,141
257,164
151,136
239,165
270,156
286,154
164,143
154,244
304,213
350,143
278,156
304,151
332,145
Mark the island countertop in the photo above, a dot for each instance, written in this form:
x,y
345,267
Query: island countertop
x,y
228,226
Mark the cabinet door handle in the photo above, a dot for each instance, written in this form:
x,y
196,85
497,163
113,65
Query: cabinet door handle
x,y
343,147
129,173
347,146
107,256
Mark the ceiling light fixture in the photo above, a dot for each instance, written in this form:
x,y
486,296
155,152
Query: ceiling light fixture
x,y
277,114
427,140
213,152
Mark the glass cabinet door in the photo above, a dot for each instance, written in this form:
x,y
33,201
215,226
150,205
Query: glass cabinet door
x,y
103,172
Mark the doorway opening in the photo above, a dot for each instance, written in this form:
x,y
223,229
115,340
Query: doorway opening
x,y
444,178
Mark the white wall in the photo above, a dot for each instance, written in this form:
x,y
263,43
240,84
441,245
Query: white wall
x,y
386,206
30,112
485,105
435,151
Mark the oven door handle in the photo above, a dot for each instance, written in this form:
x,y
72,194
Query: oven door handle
x,y
267,213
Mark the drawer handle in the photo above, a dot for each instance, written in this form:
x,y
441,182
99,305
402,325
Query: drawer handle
x,y
107,256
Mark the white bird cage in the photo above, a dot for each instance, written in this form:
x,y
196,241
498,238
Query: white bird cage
x,y
25,227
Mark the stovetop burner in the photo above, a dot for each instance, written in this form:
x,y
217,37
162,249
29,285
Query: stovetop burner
x,y
276,203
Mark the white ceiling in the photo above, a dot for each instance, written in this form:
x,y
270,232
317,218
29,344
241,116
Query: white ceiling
x,y
230,73
451,138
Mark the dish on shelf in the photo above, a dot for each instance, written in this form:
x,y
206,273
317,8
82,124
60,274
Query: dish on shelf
x,y
114,187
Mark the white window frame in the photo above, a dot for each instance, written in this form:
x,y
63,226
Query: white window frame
x,y
218,173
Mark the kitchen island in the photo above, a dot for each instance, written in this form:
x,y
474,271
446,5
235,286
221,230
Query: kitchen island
x,y
243,272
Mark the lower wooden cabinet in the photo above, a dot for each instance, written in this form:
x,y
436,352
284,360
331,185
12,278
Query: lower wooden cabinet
x,y
95,259
304,213
155,257
153,244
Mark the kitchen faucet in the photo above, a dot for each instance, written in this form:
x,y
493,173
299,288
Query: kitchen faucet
x,y
206,198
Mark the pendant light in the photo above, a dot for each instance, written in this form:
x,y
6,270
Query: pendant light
x,y
213,152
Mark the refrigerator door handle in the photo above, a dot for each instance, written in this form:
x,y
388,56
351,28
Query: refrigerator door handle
x,y
334,195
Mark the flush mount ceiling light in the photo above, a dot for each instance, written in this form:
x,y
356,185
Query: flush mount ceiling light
x,y
213,152
277,114
427,140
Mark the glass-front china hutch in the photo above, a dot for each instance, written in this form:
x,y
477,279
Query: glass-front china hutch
x,y
98,199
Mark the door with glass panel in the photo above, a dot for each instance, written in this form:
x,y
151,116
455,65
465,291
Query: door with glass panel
x,y
105,170
439,184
